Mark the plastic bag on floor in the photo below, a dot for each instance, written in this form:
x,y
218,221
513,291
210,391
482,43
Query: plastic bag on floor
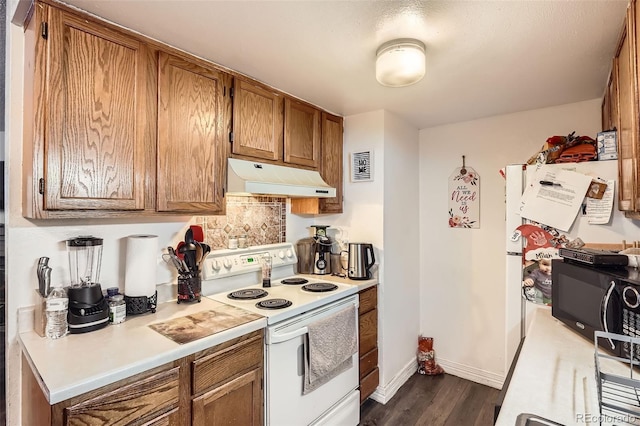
x,y
427,357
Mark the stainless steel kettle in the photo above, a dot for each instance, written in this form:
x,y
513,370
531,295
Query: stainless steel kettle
x,y
361,259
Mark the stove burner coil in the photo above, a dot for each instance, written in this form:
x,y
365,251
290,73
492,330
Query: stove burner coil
x,y
248,293
274,304
319,287
294,281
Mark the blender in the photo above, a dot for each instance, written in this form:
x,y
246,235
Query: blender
x,y
88,309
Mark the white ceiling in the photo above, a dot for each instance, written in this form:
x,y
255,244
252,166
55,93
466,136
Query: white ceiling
x,y
483,57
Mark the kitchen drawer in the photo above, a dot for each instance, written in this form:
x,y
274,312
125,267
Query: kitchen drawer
x,y
140,401
369,384
368,362
227,361
368,300
368,327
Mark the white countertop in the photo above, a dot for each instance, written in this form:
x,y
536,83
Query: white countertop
x,y
78,363
555,375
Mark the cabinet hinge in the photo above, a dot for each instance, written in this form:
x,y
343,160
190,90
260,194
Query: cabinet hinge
x,y
41,186
230,136
44,30
231,92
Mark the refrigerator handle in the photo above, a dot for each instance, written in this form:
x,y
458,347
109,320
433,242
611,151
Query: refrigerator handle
x,y
604,307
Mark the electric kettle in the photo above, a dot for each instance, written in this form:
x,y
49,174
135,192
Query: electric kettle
x,y
361,259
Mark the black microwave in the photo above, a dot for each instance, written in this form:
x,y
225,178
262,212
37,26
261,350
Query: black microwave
x,y
588,298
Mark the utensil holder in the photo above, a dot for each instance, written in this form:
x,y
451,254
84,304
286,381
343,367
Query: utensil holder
x,y
141,304
189,288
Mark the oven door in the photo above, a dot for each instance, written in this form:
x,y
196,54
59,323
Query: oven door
x,y
587,299
335,401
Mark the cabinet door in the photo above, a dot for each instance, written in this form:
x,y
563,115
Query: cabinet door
x,y
238,402
627,116
95,117
192,122
257,121
331,165
301,134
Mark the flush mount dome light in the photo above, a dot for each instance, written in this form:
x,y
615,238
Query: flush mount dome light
x,y
400,62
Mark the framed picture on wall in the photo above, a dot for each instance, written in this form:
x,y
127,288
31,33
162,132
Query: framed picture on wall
x,y
362,166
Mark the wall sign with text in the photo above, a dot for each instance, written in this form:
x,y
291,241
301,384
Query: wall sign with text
x,y
464,198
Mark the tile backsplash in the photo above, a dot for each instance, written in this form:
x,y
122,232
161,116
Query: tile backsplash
x,y
261,219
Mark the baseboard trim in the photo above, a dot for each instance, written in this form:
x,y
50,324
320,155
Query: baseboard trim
x,y
471,373
383,394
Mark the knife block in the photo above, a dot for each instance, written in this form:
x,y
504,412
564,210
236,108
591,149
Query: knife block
x,y
39,315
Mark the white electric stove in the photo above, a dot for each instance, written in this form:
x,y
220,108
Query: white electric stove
x,y
227,271
291,307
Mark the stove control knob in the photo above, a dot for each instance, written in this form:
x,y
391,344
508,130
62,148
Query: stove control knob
x,y
281,254
289,253
215,265
227,263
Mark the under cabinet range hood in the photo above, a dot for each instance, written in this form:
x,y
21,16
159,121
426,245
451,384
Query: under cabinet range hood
x,y
249,177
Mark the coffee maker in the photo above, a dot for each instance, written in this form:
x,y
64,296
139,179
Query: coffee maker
x,y
322,256
88,309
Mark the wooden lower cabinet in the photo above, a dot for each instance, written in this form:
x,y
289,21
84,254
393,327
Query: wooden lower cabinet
x,y
230,392
368,346
238,402
227,383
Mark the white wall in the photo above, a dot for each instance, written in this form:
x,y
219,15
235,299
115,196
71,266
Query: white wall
x,y
400,296
384,212
462,270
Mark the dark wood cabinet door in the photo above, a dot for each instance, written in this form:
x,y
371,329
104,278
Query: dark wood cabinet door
x,y
96,111
238,402
257,121
625,66
301,134
331,168
192,122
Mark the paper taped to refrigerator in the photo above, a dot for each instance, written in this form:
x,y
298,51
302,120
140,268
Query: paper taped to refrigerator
x,y
555,197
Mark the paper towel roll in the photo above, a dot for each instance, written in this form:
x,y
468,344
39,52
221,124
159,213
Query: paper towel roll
x,y
140,265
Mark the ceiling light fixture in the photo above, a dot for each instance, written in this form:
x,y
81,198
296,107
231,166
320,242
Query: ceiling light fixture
x,y
400,62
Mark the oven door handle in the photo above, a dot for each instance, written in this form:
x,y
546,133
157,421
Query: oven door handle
x,y
279,338
604,307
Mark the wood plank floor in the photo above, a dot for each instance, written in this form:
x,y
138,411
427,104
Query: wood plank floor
x,y
434,401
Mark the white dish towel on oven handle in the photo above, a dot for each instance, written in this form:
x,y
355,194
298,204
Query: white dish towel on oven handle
x,y
328,348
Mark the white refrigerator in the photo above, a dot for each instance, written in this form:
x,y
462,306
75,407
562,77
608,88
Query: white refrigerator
x,y
519,312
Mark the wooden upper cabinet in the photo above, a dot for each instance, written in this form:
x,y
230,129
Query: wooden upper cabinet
x,y
193,111
625,68
331,168
301,134
257,121
95,107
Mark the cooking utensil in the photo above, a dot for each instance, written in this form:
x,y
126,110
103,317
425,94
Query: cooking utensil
x,y
198,233
42,263
172,257
46,273
188,236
